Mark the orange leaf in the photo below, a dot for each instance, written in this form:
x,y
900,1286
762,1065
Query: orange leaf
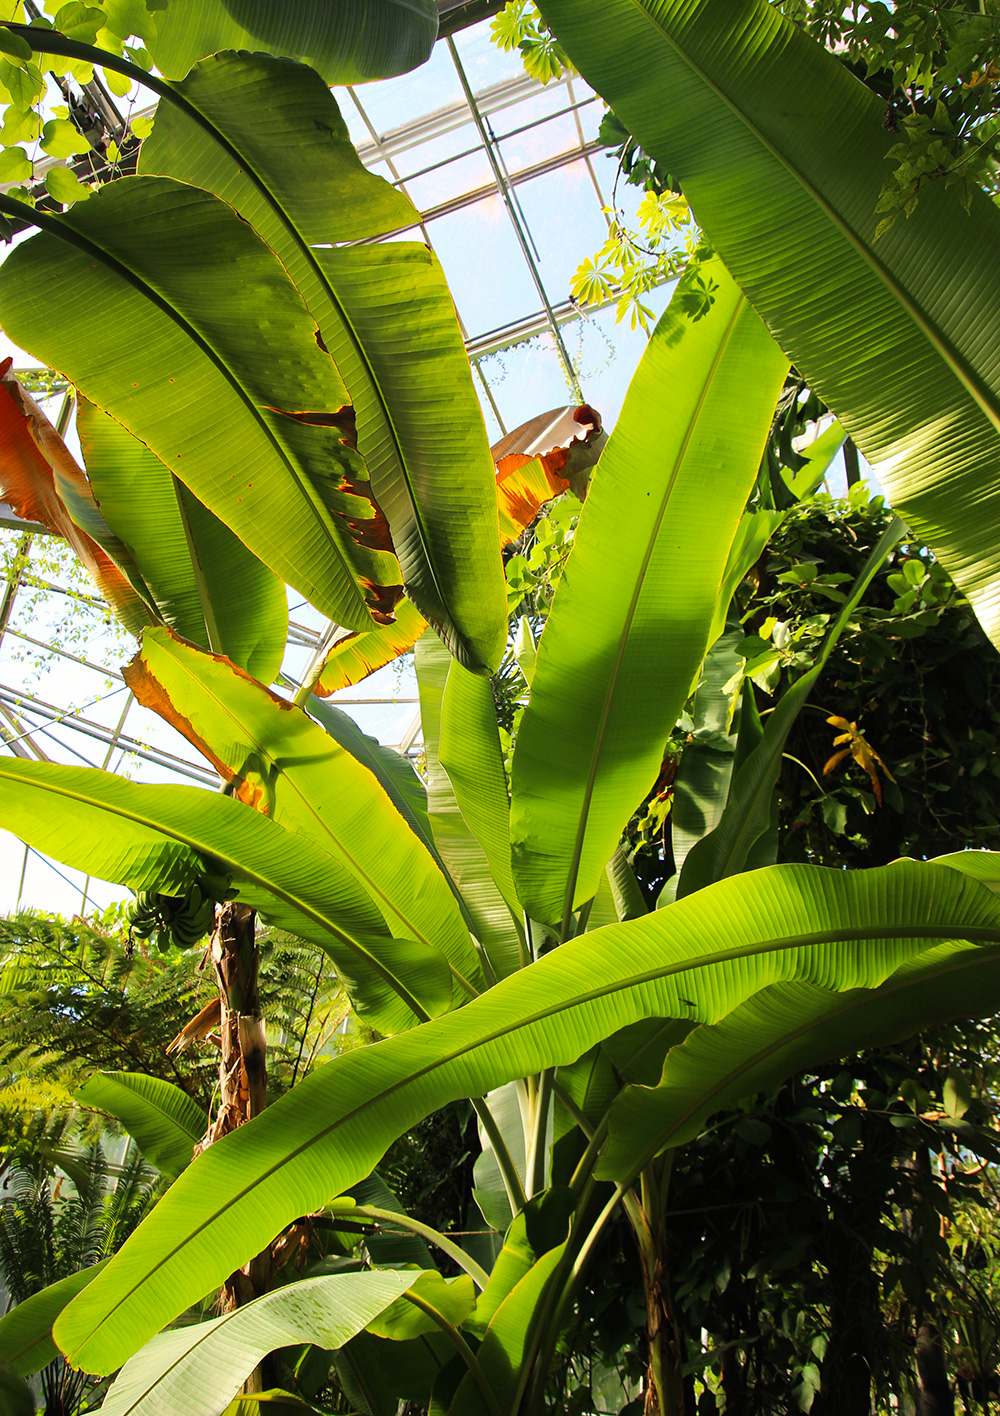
x,y
38,474
837,757
528,476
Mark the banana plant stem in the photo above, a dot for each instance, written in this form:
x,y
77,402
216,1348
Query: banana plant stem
x,y
508,1170
447,1246
464,1350
535,1164
565,1282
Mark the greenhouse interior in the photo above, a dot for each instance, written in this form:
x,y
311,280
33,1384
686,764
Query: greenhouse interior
x,y
499,708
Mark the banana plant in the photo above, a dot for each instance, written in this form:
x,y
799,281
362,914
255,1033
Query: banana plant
x,y
526,996
488,929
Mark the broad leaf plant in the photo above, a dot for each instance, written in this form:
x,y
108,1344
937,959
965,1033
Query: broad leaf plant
x,y
268,394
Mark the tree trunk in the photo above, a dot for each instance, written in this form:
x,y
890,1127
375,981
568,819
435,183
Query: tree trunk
x,y
665,1378
242,1073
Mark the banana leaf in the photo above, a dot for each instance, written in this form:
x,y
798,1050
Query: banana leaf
x,y
630,620
163,1120
471,754
26,1331
152,289
700,959
204,582
37,475
165,837
282,763
349,42
501,1356
198,1369
782,152
296,178
359,653
457,846
783,1030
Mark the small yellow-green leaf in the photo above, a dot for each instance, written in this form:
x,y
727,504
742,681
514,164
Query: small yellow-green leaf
x,y
20,127
65,186
61,138
142,127
13,47
15,165
80,22
25,85
119,84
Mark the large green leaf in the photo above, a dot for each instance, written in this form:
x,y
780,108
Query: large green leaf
x,y
394,772
471,754
464,857
206,584
348,41
162,837
699,959
502,1353
785,1029
631,617
167,311
782,154
196,1370
163,1120
281,762
267,136
26,1331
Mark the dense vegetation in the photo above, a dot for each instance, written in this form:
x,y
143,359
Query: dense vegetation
x,y
679,687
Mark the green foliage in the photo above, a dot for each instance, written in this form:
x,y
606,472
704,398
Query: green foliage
x,y
81,999
935,68
50,1232
492,927
520,26
915,672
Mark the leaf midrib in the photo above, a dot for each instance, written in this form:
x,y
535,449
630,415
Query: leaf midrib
x,y
248,169
612,682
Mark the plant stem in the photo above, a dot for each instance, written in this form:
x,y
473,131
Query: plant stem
x,y
508,1170
535,1163
448,1246
462,1347
539,1355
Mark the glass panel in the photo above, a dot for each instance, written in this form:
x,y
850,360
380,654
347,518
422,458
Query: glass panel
x,y
483,62
564,217
464,174
486,270
392,103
